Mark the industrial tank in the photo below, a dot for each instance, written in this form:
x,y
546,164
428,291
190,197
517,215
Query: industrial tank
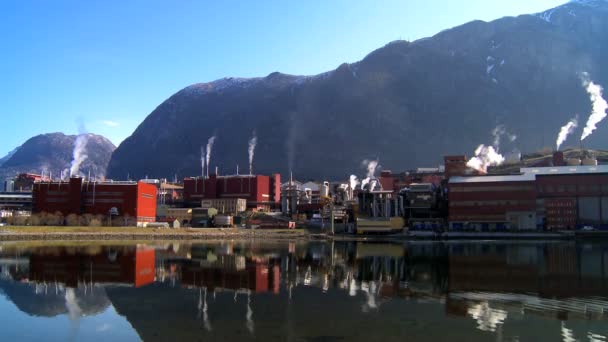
x,y
573,162
590,161
223,220
324,189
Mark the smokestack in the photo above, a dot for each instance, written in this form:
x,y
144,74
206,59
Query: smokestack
x,y
237,169
216,172
558,158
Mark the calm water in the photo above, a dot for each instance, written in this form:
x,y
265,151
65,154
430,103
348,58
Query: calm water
x,y
342,291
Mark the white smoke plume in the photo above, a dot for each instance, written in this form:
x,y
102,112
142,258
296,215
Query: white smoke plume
x,y
209,148
203,161
599,106
485,156
565,131
79,154
252,143
371,167
370,179
352,185
353,182
498,132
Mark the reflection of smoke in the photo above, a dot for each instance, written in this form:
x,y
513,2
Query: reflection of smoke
x,y
566,130
202,307
79,153
249,321
485,156
487,318
209,147
252,142
371,290
74,310
599,106
567,334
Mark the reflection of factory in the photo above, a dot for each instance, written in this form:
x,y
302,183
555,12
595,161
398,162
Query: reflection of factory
x,y
78,196
121,265
261,192
239,290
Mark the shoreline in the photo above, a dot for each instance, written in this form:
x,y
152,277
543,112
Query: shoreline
x,y
299,234
215,234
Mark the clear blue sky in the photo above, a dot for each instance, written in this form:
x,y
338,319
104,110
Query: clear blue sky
x,y
111,62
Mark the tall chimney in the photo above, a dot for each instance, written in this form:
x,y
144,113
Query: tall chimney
x,y
558,158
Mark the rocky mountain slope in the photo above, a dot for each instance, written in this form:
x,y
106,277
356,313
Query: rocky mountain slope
x,y
52,154
407,103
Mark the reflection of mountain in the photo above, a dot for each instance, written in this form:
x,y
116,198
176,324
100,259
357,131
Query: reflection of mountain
x,y
49,300
161,313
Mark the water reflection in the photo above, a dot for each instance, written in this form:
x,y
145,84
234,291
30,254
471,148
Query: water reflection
x,y
321,291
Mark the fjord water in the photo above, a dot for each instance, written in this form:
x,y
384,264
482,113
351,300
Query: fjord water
x,y
299,291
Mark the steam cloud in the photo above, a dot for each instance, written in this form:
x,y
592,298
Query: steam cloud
x,y
352,185
371,171
599,106
79,153
566,130
209,148
498,132
485,156
353,182
252,143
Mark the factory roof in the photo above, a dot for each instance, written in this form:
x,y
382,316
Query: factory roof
x,y
5,195
565,170
526,177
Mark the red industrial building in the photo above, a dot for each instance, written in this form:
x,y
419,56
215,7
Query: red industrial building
x,y
78,196
261,192
572,196
492,202
554,197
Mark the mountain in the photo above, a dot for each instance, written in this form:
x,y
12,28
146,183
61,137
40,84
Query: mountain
x,y
8,156
407,103
52,153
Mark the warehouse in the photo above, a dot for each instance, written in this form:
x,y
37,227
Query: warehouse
x,y
553,198
261,192
492,202
78,196
572,196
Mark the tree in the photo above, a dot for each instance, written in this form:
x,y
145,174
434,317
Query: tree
x,y
72,220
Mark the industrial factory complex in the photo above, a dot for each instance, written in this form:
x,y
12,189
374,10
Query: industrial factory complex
x,y
553,193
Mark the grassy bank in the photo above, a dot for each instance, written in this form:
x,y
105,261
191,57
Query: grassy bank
x,y
15,233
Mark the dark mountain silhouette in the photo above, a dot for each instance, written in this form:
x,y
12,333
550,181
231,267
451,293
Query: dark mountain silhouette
x,y
407,103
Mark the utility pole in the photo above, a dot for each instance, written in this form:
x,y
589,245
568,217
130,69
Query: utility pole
x,y
331,216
